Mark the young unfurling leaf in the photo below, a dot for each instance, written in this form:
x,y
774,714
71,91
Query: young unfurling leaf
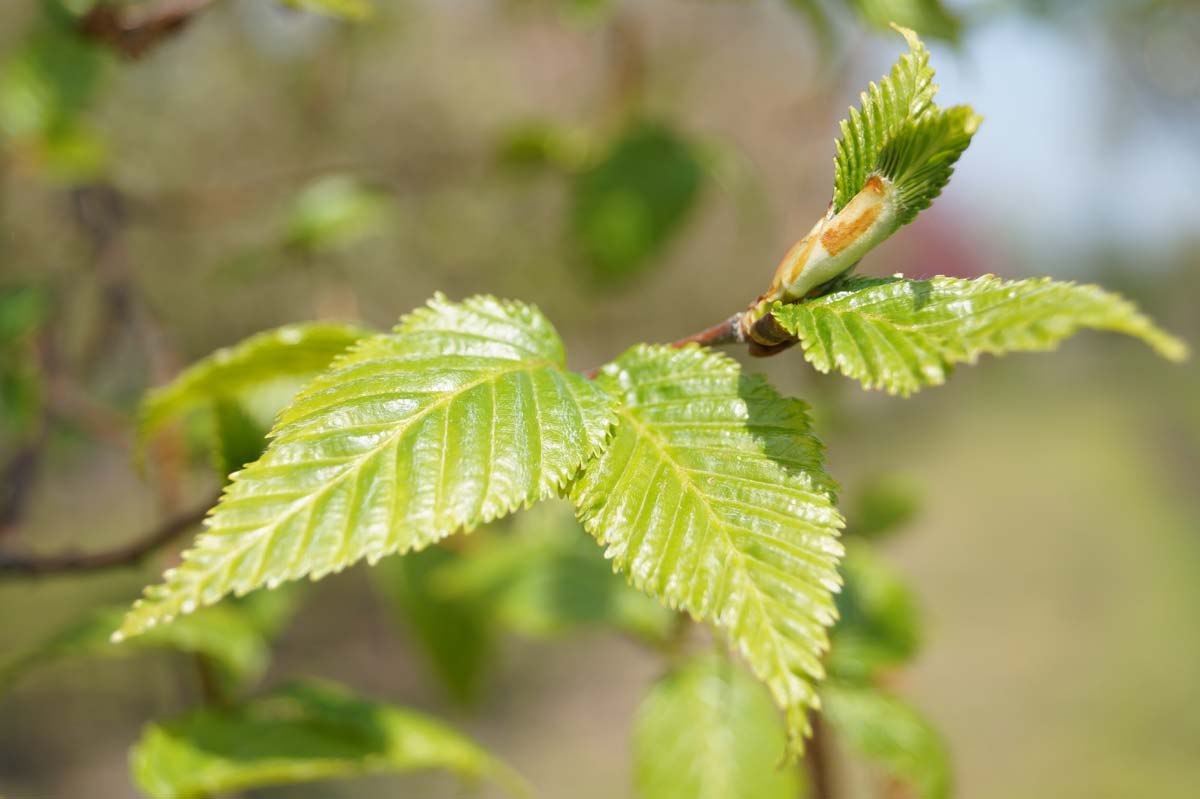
x,y
895,156
460,415
712,497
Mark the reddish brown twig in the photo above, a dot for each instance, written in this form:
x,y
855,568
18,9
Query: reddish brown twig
x,y
126,555
135,31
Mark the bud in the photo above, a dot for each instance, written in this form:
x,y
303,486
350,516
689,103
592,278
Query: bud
x,y
837,242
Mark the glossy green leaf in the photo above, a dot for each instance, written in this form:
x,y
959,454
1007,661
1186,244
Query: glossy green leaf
x,y
454,631
335,212
546,577
709,731
301,733
926,17
462,414
225,635
713,498
291,351
891,734
905,94
879,625
627,206
901,335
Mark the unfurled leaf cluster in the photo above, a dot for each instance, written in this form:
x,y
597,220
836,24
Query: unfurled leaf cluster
x,y
704,487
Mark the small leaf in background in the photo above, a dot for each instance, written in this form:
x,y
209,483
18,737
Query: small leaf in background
x,y
345,9
301,733
900,335
454,631
708,730
46,87
627,206
240,438
546,577
883,505
23,310
890,734
334,213
926,17
461,415
225,635
288,352
539,144
879,625
713,498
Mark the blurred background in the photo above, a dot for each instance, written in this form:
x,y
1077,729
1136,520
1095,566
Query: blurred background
x,y
636,169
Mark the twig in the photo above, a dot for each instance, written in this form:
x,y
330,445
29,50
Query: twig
x,y
134,31
126,555
817,762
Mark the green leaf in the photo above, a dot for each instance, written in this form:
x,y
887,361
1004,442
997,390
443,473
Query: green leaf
x,y
291,351
547,578
709,731
333,213
927,17
462,414
345,9
301,733
920,158
900,335
226,635
883,505
240,439
890,733
879,625
454,631
627,206
905,94
713,498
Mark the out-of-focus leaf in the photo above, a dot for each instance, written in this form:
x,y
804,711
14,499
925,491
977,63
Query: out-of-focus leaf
x,y
547,578
901,335
240,438
333,213
344,9
301,733
879,625
291,351
709,731
882,506
891,734
627,206
22,311
545,144
713,498
46,87
926,17
461,415
455,631
222,634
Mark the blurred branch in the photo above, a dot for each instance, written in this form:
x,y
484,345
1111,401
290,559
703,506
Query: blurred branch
x,y
817,762
126,555
135,30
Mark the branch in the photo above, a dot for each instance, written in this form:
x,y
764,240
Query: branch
x,y
817,762
134,31
126,555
